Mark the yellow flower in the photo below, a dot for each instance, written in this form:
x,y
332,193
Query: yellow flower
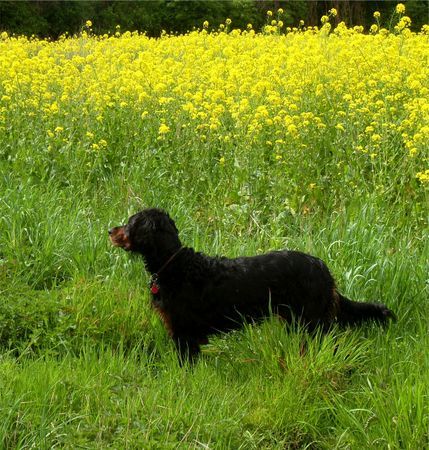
x,y
376,138
423,177
228,21
406,21
292,129
333,12
88,24
205,24
400,8
376,14
269,13
163,129
54,107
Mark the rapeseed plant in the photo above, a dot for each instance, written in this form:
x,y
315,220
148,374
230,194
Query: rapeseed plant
x,y
246,86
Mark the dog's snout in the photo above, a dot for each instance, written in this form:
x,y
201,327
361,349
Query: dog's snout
x,y
118,237
114,230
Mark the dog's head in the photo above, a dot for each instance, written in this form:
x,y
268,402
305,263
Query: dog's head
x,y
149,232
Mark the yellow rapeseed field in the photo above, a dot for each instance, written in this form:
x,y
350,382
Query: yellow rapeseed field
x,y
283,89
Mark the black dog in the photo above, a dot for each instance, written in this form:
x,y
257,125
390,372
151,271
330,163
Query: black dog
x,y
198,295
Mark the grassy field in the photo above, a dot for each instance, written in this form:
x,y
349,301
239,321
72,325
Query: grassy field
x,y
309,139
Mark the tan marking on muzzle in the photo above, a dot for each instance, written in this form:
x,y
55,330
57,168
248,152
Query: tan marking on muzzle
x,y
118,238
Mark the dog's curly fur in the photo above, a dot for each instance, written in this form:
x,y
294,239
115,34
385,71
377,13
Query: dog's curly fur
x,y
198,295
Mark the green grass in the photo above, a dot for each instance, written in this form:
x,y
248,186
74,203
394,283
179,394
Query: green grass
x,y
86,364
84,361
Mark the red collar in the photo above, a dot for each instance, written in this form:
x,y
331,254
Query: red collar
x,y
154,283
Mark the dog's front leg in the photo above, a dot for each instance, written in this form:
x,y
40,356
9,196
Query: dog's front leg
x,y
187,348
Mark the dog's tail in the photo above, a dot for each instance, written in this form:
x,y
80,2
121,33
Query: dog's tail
x,y
352,313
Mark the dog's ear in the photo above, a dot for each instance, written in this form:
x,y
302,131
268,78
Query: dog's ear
x,y
160,220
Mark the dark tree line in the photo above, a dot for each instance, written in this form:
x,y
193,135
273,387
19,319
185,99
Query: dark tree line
x,y
53,18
